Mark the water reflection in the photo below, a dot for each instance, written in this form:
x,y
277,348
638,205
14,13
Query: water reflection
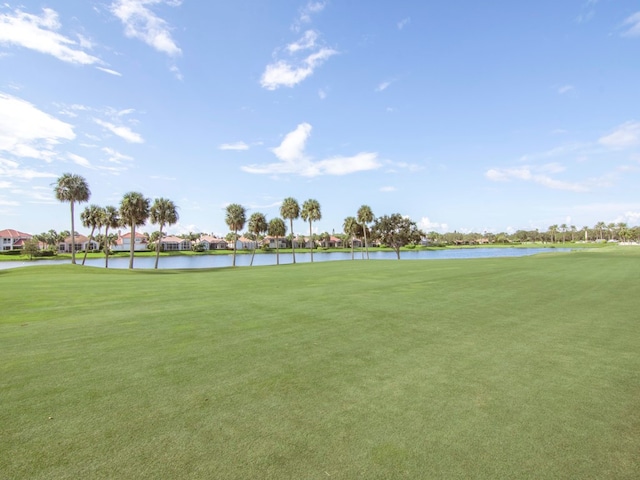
x,y
243,260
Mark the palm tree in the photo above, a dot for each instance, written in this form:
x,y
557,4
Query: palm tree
x,y
350,227
91,216
553,229
235,218
311,212
72,188
277,228
623,231
257,225
163,212
291,210
365,216
586,233
134,211
573,232
111,220
563,229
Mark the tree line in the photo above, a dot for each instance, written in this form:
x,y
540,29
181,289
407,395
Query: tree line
x,y
393,230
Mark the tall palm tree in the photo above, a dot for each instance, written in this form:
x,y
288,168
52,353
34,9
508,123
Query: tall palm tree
x,y
134,211
72,188
257,225
277,228
553,229
365,216
350,227
623,231
563,229
586,233
111,220
291,210
235,218
163,212
311,212
91,216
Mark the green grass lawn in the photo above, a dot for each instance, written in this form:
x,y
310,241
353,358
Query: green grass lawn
x,y
490,368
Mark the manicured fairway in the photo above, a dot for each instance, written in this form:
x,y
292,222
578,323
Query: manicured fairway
x,y
492,368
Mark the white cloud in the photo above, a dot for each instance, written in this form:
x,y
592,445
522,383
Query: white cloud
x,y
141,23
625,136
292,147
383,86
565,89
234,146
632,24
294,160
114,156
403,23
308,41
306,12
388,189
11,169
284,73
176,72
322,93
39,33
527,173
26,131
121,131
428,226
78,160
109,71
630,218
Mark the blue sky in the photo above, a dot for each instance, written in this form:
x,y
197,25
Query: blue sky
x,y
468,116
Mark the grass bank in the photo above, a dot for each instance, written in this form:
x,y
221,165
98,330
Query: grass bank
x,y
491,368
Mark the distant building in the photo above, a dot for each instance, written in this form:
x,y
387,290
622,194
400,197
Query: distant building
x,y
123,243
13,239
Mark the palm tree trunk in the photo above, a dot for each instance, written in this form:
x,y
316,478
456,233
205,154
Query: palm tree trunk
x,y
133,244
352,253
73,237
293,249
311,240
106,247
366,246
235,246
158,247
86,249
253,254
277,250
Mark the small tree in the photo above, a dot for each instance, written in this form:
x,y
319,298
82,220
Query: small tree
x,y
277,228
311,213
31,248
257,226
72,188
396,231
235,218
134,211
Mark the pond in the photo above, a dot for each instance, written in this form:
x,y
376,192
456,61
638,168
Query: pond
x,y
244,259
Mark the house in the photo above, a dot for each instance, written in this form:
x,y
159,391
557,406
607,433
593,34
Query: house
x,y
335,242
171,243
12,239
213,243
123,243
81,244
244,243
273,242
